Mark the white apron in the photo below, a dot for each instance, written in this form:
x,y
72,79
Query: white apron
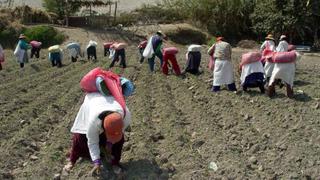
x,y
248,69
223,73
285,72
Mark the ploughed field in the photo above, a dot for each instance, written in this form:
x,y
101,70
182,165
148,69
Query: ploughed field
x,y
178,128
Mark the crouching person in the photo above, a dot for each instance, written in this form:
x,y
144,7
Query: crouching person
x,y
74,51
101,121
141,47
119,54
169,54
193,57
223,69
92,50
35,49
55,55
284,70
252,71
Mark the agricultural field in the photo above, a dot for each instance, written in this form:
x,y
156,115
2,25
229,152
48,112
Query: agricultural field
x,y
178,127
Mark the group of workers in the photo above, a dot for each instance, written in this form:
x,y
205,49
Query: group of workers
x,y
103,116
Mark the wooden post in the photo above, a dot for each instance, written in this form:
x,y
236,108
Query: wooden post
x,y
115,12
67,13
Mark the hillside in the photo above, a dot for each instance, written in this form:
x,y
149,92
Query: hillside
x,y
178,125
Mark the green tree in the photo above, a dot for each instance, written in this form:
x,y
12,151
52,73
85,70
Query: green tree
x,y
62,8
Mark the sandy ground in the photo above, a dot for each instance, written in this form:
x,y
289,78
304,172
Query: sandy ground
x,y
178,126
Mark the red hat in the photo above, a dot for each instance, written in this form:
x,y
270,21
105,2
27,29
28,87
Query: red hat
x,y
113,126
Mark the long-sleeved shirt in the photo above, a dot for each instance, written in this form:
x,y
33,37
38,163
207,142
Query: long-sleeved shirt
x,y
222,51
157,43
282,46
23,44
88,122
268,44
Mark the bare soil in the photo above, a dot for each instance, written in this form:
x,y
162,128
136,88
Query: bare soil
x,y
178,126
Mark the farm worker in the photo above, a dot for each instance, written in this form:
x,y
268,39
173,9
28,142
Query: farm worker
x,y
283,45
141,47
35,49
106,47
283,72
223,69
55,56
1,57
169,54
92,50
193,58
119,54
21,51
74,51
153,49
252,72
100,123
268,45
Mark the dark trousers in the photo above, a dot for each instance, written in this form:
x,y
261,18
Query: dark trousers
x,y
254,80
21,65
193,62
151,60
141,55
74,59
106,51
35,52
0,66
231,87
92,53
56,59
80,148
121,53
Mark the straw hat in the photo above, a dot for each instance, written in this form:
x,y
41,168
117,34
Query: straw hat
x,y
270,37
22,36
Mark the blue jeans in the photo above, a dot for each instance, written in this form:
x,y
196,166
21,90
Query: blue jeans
x,y
151,60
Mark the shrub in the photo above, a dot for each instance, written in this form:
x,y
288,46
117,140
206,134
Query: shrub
x,y
45,34
187,35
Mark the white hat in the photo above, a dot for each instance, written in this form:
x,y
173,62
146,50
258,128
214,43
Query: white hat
x,y
283,37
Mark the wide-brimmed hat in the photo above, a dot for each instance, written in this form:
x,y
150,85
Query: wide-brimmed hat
x,y
283,37
270,37
113,126
160,33
22,36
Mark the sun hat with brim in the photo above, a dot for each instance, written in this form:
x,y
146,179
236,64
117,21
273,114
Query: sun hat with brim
x,y
283,37
270,37
113,126
22,36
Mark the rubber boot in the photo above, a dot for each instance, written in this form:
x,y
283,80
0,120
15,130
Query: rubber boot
x,y
289,91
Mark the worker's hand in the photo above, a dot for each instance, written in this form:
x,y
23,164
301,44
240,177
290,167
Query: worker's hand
x,y
96,171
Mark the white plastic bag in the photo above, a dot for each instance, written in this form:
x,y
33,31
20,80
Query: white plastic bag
x,y
148,51
112,52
